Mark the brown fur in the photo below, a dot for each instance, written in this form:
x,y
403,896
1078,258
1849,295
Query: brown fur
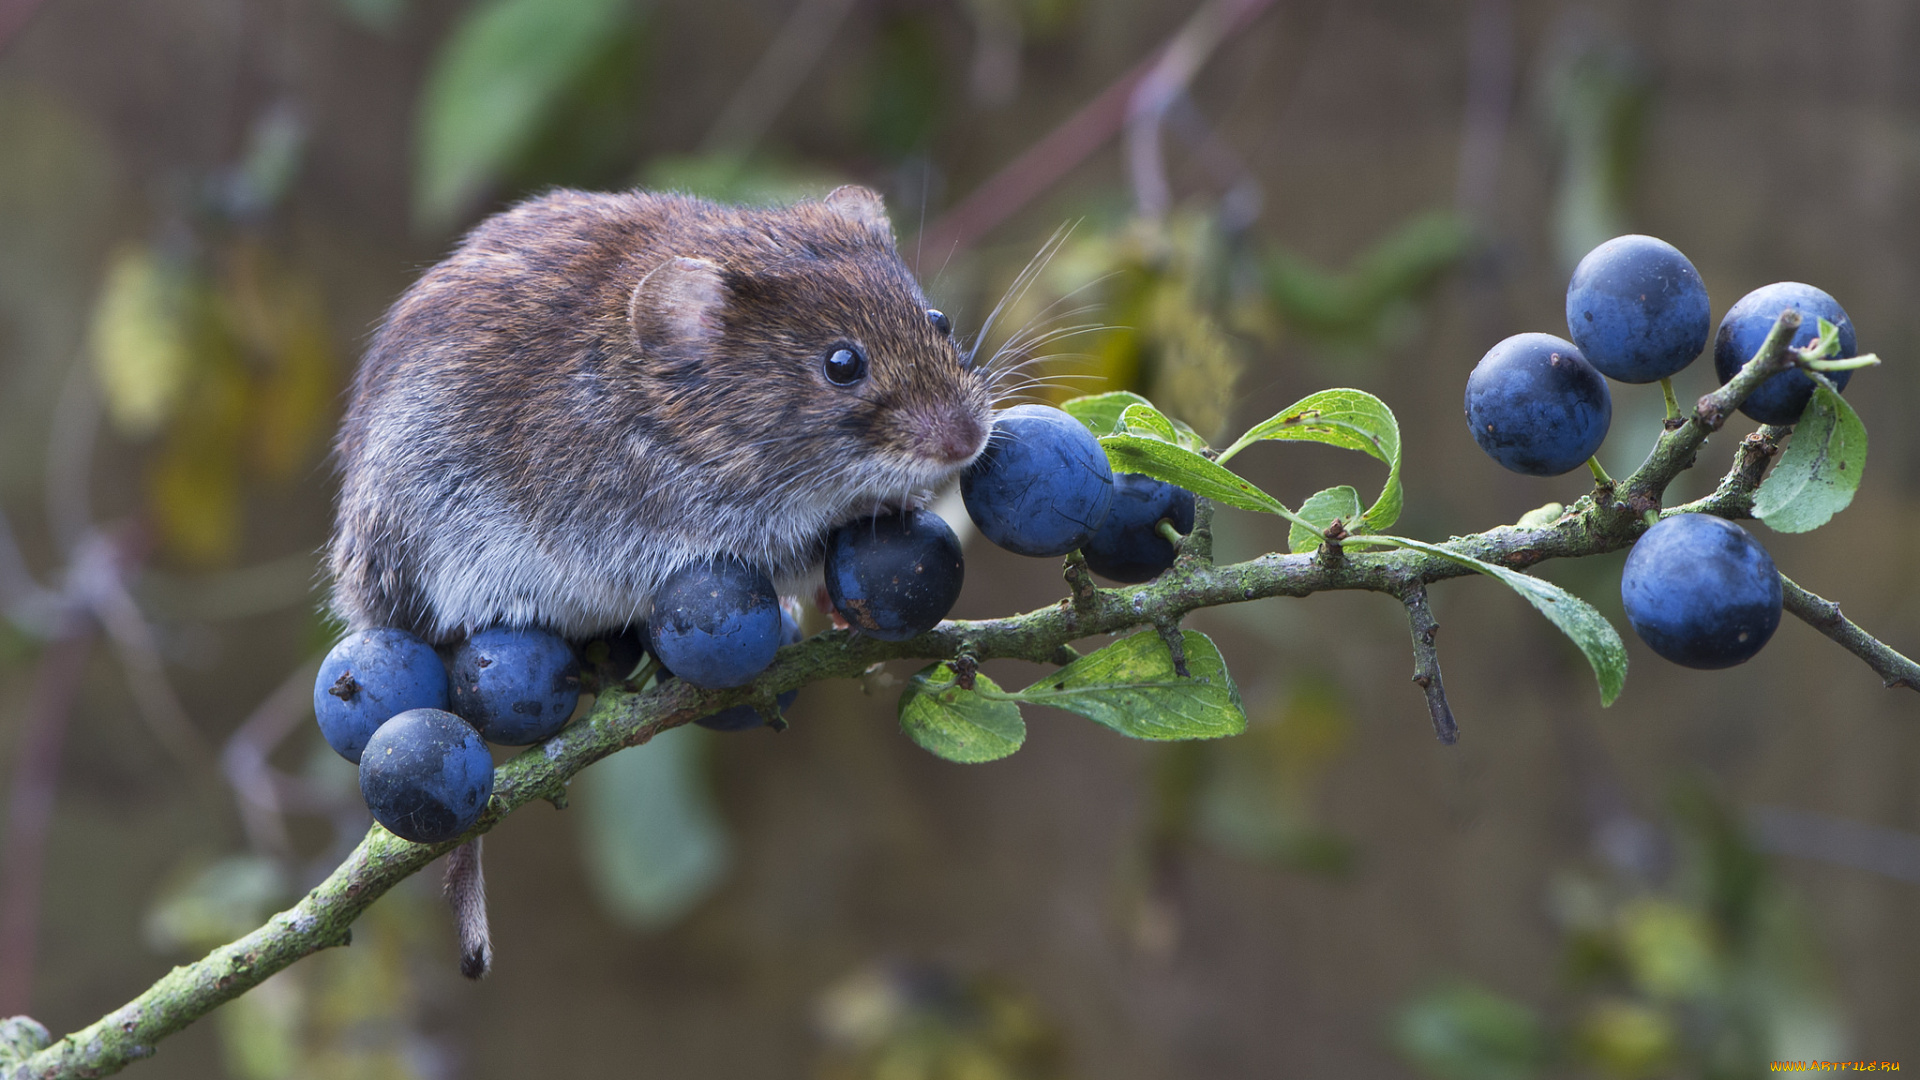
x,y
596,389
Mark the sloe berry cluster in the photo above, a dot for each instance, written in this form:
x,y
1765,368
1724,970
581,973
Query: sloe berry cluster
x,y
1699,590
385,702
1043,488
418,723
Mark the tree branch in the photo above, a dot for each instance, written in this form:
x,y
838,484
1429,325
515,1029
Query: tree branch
x,y
1824,615
1608,520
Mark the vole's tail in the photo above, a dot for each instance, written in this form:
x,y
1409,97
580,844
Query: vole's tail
x,y
466,892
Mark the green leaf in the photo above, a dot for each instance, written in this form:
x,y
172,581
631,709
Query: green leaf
x,y
1820,471
1131,687
1107,414
1351,420
1321,508
1826,345
493,84
1178,465
968,726
1101,412
1590,630
1150,422
654,841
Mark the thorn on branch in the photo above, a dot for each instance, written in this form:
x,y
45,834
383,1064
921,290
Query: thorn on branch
x,y
1176,644
1064,655
1426,663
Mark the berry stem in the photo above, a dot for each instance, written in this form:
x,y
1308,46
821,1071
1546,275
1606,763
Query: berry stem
x,y
1172,535
1673,403
648,666
1600,476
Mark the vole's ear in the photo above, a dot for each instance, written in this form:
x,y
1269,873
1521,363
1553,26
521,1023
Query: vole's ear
x,y
679,301
861,205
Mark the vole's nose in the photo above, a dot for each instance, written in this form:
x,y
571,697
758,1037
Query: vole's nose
x,y
957,436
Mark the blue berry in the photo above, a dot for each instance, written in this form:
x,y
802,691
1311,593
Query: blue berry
x,y
516,687
1701,591
1781,399
716,624
1042,485
894,577
1536,406
1637,309
370,676
746,717
426,775
1128,547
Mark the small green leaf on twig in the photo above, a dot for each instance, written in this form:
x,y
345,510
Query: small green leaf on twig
x,y
968,726
1147,421
1826,344
1351,420
1131,687
1820,471
1101,412
1323,508
1105,414
1177,465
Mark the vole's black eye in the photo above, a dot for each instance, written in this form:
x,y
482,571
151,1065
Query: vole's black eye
x,y
940,321
845,365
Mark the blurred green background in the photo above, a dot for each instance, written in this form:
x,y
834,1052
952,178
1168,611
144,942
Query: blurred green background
x,y
205,205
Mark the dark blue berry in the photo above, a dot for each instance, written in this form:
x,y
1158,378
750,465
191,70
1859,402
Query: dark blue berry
x,y
746,717
1637,309
370,676
1701,591
1536,406
1782,398
894,577
1128,547
1042,485
426,775
715,624
516,687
